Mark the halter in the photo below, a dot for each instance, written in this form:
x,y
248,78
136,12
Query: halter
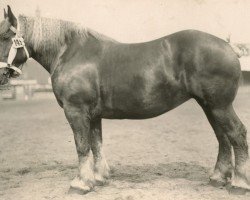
x,y
17,42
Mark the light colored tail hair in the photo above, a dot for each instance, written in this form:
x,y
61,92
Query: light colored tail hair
x,y
239,51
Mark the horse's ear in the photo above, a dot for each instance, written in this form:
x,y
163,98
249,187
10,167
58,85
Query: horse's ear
x,y
5,14
11,17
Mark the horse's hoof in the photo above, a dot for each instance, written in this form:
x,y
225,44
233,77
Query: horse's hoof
x,y
237,190
78,186
79,191
217,183
100,181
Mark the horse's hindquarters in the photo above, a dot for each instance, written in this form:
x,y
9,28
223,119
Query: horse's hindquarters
x,y
214,84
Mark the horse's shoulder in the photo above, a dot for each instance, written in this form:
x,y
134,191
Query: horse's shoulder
x,y
77,82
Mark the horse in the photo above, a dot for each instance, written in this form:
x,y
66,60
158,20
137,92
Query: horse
x,y
95,77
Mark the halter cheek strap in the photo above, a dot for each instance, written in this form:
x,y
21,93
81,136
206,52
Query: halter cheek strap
x,y
13,29
17,42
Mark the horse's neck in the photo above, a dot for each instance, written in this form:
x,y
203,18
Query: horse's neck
x,y
51,59
45,58
48,40
26,29
44,48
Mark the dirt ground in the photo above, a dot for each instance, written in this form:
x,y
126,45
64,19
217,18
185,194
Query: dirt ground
x,y
168,157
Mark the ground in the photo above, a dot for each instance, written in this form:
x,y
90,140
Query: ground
x,y
168,157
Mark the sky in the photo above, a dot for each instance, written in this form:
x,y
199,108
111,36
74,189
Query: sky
x,y
144,20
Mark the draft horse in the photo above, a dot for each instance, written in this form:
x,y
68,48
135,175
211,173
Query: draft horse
x,y
95,77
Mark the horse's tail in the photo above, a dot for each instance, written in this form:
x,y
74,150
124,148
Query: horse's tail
x,y
239,51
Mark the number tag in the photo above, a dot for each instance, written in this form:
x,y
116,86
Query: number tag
x,y
18,42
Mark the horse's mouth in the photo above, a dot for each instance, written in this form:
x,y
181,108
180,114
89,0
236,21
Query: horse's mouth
x,y
7,75
14,74
4,81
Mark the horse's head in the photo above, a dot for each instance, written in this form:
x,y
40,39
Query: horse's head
x,y
13,53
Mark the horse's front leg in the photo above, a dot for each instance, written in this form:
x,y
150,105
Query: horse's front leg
x,y
101,168
79,120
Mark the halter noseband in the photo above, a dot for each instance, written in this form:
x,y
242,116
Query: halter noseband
x,y
17,42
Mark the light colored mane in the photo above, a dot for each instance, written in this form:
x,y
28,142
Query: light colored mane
x,y
50,34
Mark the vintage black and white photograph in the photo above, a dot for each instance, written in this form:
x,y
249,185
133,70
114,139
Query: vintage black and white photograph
x,y
124,99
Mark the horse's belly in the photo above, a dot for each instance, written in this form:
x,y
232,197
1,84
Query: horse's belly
x,y
130,114
145,106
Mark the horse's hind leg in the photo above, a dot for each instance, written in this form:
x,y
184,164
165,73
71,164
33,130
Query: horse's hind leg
x,y
228,127
101,168
236,133
224,166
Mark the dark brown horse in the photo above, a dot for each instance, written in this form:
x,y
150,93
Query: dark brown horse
x,y
95,77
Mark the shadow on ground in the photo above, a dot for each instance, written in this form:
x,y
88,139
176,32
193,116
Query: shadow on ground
x,y
128,173
174,170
